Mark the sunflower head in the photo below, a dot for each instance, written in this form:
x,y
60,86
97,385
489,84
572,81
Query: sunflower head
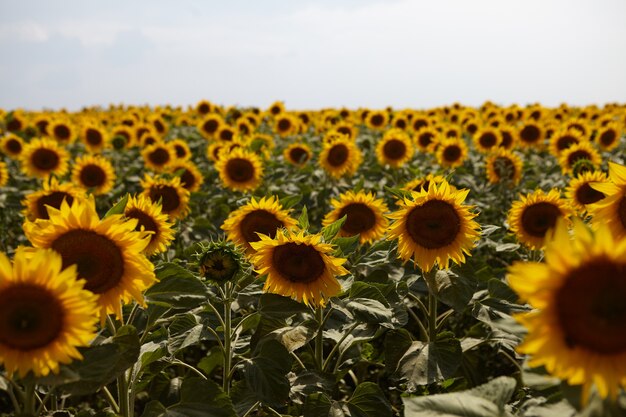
x,y
377,119
580,192
240,169
580,151
427,138
423,183
608,137
298,265
94,173
43,157
158,156
531,135
45,314
209,125
190,176
297,154
94,137
11,145
52,195
169,192
451,153
4,174
219,262
340,157
503,166
487,139
151,219
434,227
394,149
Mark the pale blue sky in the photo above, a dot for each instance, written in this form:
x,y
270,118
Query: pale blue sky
x,y
311,54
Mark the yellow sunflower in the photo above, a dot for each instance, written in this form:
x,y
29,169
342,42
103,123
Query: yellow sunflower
x,y
95,173
534,214
45,314
12,145
285,125
451,153
169,192
53,194
562,140
225,133
108,253
503,166
264,216
240,169
214,150
4,174
299,266
574,153
609,136
190,176
276,108
426,139
347,128
394,149
297,154
151,219
434,227
158,156
341,157
612,209
581,194
42,157
578,328
530,135
377,119
204,107
423,183
209,125
365,215
94,137
486,139
61,130
508,135
181,149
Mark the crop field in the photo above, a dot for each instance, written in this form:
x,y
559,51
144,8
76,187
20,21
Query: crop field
x,y
211,260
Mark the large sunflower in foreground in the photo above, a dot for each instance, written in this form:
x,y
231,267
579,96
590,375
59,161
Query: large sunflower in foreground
x,y
94,173
503,166
108,252
170,193
45,313
580,192
365,215
578,332
42,157
612,209
299,266
52,194
263,216
534,214
151,219
434,227
341,157
240,169
394,149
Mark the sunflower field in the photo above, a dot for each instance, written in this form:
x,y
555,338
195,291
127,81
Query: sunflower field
x,y
238,262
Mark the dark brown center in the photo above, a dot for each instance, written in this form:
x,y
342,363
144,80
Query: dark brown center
x,y
394,149
144,222
62,132
93,137
488,140
419,123
621,211
425,139
565,142
284,125
539,217
298,155
530,134
587,195
298,263
226,135
360,218
45,159
507,139
210,126
259,221
608,137
159,156
14,146
54,199
98,259
181,151
576,155
92,176
338,155
187,179
377,120
433,225
452,153
168,196
240,170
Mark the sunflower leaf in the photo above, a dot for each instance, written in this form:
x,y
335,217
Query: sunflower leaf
x,y
303,220
289,201
368,400
118,208
329,232
266,373
177,288
346,245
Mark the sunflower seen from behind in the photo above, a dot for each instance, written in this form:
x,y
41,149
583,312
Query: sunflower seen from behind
x,y
240,169
264,216
108,252
41,158
298,265
365,215
577,329
503,166
434,227
45,313
532,215
150,218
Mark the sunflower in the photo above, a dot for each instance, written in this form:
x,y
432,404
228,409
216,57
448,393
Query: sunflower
x,y
4,174
12,145
15,121
347,128
579,125
244,127
581,194
298,266
158,156
150,218
170,193
53,194
486,139
94,137
61,130
530,135
434,227
451,153
219,262
578,328
341,157
181,149
108,252
503,166
190,176
377,119
263,216
426,139
297,154
423,183
204,107
126,133
534,214
574,153
285,125
240,169
563,139
508,136
365,215
42,157
276,108
608,137
159,124
95,173
209,125
419,122
45,313
225,133
394,149
214,150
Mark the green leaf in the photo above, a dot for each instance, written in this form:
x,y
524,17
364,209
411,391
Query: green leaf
x,y
346,245
303,220
500,290
265,373
425,363
290,201
369,401
397,342
293,338
317,405
398,192
177,288
329,232
370,311
507,247
360,289
454,290
211,361
118,208
277,306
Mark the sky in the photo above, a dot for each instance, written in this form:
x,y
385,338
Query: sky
x,y
311,54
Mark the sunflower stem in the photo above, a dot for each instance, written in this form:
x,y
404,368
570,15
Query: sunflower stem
x,y
111,400
432,304
228,352
319,338
29,398
14,401
122,396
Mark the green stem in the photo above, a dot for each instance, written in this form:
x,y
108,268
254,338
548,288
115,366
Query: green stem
x,y
432,304
423,331
228,352
122,396
319,338
111,400
14,401
334,349
29,398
